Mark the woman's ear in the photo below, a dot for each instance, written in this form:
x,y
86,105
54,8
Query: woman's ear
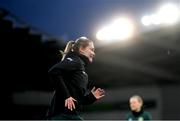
x,y
81,50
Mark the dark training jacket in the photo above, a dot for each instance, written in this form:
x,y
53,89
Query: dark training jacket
x,y
70,79
139,116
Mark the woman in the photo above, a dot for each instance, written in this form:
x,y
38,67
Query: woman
x,y
137,113
71,81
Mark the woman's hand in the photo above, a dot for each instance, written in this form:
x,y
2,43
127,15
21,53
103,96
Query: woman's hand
x,y
98,93
69,103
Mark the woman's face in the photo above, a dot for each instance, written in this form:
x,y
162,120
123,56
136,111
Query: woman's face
x,y
88,51
135,104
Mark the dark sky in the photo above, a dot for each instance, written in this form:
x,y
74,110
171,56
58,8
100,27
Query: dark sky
x,y
69,19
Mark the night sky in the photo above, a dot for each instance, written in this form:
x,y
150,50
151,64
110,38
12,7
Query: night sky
x,y
69,19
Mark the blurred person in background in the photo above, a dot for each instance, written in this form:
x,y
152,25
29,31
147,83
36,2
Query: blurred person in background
x,y
137,111
71,81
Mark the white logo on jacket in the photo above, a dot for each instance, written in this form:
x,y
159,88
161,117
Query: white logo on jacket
x,y
70,59
84,72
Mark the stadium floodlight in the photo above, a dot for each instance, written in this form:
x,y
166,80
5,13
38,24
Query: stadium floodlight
x,y
169,13
155,19
119,29
146,20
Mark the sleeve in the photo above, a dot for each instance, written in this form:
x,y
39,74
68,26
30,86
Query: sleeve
x,y
58,82
56,74
127,116
148,116
88,99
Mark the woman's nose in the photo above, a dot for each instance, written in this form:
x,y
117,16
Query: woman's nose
x,y
94,54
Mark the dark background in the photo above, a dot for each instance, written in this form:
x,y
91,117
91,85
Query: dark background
x,y
148,67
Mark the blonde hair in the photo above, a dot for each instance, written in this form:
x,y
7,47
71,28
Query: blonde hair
x,y
138,98
75,45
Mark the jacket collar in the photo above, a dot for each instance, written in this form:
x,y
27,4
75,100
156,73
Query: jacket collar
x,y
136,114
84,59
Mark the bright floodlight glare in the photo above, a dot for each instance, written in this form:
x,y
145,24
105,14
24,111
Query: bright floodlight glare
x,y
168,13
151,19
120,29
146,20
155,19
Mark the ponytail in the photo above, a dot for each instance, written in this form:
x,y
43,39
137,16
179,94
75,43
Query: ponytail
x,y
68,48
75,46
